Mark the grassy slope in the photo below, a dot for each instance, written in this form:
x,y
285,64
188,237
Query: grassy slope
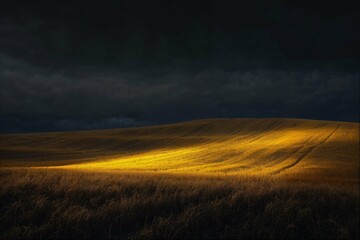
x,y
297,149
229,181
62,204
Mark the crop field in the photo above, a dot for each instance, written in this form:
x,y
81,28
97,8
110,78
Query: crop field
x,y
214,178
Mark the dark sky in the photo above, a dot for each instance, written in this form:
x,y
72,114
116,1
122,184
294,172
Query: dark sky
x,y
67,65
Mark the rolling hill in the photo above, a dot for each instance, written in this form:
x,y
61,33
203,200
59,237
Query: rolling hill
x,y
292,148
215,178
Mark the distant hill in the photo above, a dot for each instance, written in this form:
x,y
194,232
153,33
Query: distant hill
x,y
293,148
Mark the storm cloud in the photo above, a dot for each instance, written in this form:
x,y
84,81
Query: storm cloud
x,y
107,66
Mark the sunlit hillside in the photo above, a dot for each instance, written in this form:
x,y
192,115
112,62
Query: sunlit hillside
x,y
219,179
297,149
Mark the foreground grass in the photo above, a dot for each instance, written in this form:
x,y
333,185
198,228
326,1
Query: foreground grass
x,y
58,204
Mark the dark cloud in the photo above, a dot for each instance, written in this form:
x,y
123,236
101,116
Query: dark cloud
x,y
86,65
102,99
102,123
146,33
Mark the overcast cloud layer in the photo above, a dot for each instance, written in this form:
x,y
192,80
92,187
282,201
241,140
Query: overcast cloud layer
x,y
60,74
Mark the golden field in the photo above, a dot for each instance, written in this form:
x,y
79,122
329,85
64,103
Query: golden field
x,y
216,178
302,149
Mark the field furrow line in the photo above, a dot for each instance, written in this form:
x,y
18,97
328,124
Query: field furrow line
x,y
307,152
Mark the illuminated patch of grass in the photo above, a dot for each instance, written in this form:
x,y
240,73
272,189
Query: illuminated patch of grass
x,y
301,149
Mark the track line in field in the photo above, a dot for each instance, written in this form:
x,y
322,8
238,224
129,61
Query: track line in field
x,y
307,152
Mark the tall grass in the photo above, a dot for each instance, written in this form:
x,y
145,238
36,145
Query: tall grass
x,y
60,204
